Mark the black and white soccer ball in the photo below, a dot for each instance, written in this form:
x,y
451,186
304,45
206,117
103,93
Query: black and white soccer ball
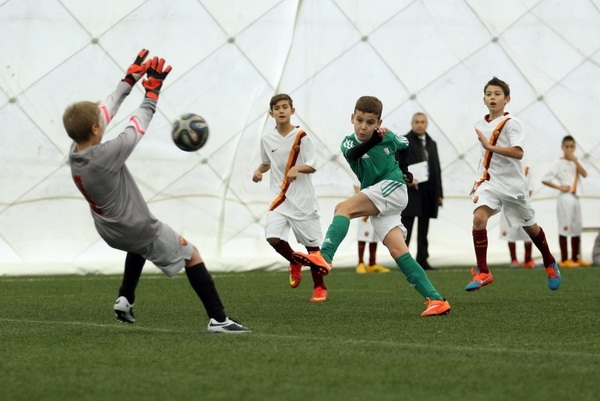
x,y
190,132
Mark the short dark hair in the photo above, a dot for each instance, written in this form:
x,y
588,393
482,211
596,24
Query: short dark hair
x,y
278,97
498,82
567,139
419,113
79,119
369,104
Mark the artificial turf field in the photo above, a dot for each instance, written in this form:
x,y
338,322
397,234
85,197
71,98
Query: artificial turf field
x,y
512,340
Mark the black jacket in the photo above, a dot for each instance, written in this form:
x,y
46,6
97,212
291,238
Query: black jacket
x,y
423,199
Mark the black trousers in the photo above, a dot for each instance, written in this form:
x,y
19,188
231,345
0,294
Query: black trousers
x,y
422,230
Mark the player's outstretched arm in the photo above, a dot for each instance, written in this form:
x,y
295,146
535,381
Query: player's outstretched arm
x,y
156,74
111,104
138,68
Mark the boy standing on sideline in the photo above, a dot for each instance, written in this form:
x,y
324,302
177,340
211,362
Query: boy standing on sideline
x,y
371,154
366,235
119,211
564,176
288,152
424,198
502,185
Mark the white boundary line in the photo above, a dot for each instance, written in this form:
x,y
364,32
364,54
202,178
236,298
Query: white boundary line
x,y
320,340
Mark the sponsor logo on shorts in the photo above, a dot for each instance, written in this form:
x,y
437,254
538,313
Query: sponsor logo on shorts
x,y
182,241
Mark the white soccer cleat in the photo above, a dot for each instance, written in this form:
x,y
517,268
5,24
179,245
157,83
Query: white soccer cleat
x,y
124,310
228,326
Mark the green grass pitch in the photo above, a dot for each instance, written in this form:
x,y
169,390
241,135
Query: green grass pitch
x,y
512,340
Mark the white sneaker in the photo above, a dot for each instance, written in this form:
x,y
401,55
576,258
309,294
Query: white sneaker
x,y
228,326
124,310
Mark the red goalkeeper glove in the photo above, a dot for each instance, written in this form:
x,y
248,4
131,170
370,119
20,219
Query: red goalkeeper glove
x,y
157,72
137,69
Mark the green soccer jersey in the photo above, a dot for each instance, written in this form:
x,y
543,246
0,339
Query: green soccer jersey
x,y
379,163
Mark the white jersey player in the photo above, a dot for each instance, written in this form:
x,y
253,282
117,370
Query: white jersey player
x,y
564,175
289,154
501,185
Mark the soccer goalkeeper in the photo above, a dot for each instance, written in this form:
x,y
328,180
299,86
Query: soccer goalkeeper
x,y
119,211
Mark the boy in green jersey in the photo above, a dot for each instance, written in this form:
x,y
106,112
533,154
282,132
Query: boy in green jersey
x,y
370,152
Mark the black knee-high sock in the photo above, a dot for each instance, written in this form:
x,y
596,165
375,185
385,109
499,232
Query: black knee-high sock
x,y
202,282
134,264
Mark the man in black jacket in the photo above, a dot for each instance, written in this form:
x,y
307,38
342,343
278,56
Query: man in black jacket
x,y
424,197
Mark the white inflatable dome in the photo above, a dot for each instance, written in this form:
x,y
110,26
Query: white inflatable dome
x,y
229,57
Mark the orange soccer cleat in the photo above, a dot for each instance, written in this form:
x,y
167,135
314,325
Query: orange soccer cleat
x,y
436,307
313,259
295,270
319,294
479,280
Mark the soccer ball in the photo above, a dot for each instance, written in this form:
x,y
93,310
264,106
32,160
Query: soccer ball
x,y
190,132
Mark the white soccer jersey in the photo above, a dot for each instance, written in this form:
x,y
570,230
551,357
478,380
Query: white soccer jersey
x,y
504,175
300,199
564,172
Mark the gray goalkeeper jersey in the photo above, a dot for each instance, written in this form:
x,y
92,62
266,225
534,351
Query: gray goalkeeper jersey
x,y
120,213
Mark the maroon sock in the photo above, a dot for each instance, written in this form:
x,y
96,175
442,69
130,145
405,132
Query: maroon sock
x,y
361,251
512,247
575,242
311,249
541,244
480,241
284,249
317,278
562,242
372,253
528,246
